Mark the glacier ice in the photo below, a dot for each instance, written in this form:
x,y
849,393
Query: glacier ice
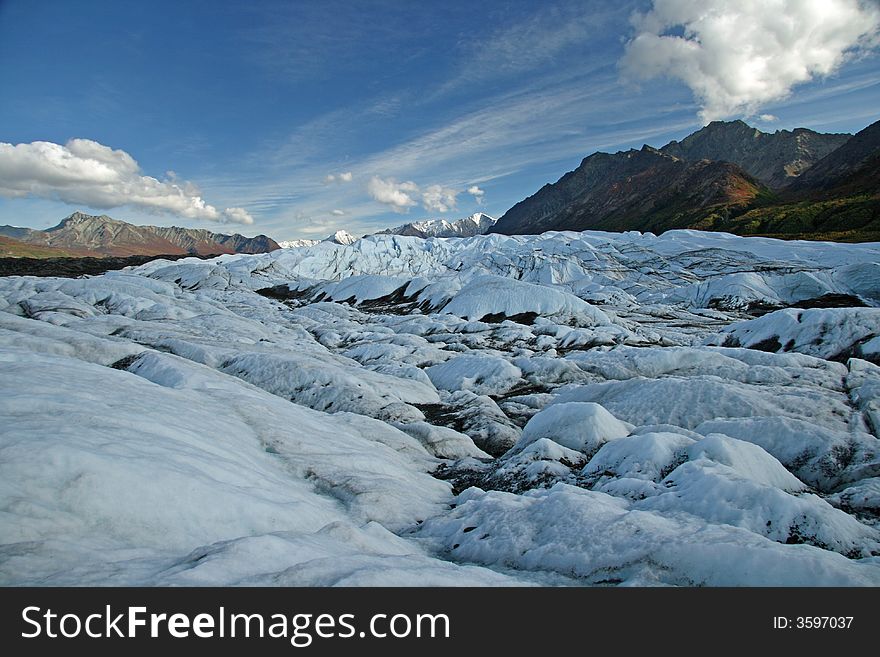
x,y
567,408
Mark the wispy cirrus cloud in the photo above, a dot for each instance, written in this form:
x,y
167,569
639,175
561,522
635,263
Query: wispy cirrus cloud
x,y
468,149
86,172
551,34
303,41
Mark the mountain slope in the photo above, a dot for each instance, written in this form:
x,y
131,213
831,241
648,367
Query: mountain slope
x,y
641,190
13,248
851,168
103,236
838,198
712,180
776,159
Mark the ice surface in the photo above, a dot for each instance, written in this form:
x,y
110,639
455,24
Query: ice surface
x,y
833,333
649,456
600,539
480,374
495,295
583,408
583,427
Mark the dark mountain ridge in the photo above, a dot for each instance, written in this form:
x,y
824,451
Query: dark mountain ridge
x,y
776,159
726,176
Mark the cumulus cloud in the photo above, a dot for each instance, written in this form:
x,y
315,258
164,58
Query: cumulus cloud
x,y
477,193
345,176
237,216
737,56
338,213
437,198
401,196
85,172
768,118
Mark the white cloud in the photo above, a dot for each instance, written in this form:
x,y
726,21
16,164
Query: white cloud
x,y
238,216
88,173
338,213
768,118
345,176
402,196
737,56
390,192
477,193
437,198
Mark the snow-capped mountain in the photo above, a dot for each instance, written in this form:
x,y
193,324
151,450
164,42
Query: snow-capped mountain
x,y
295,244
570,408
475,224
341,237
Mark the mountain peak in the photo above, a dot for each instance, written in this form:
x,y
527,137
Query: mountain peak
x,y
79,218
342,237
775,159
724,125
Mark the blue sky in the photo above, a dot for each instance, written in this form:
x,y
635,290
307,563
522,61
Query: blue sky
x,y
306,117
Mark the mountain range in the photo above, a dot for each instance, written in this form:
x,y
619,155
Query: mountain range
x,y
83,235
475,224
727,176
100,236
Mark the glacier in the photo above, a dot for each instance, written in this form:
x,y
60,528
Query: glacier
x,y
689,409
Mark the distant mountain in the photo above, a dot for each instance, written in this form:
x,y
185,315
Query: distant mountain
x,y
296,244
776,159
91,235
341,237
726,176
476,224
240,244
